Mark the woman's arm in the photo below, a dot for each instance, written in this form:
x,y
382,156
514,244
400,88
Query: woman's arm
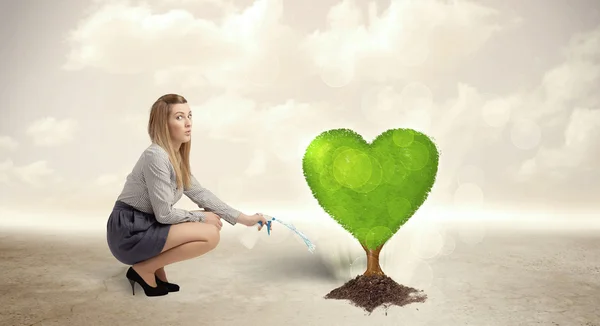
x,y
158,180
204,198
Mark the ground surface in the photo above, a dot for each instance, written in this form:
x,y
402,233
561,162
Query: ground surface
x,y
506,278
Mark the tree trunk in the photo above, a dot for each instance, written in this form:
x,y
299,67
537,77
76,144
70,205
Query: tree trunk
x,y
373,267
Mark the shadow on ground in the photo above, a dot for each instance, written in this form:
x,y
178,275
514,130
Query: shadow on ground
x,y
295,265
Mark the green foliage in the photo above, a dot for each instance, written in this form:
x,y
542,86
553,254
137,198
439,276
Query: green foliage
x,y
371,190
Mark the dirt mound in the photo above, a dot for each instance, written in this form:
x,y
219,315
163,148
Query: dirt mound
x,y
370,292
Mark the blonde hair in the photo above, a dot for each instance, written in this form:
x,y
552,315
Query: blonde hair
x,y
158,130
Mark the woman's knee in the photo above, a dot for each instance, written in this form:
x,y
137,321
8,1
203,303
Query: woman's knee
x,y
213,236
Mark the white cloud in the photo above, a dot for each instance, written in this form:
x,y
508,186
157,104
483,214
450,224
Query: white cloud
x,y
107,179
509,127
35,174
5,171
579,152
106,186
52,132
257,165
29,178
576,79
8,143
522,130
135,123
240,47
226,116
225,5
94,193
386,107
380,47
289,127
249,47
532,135
569,90
284,129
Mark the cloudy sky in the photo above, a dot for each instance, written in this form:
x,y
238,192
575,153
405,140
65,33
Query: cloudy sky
x,y
508,90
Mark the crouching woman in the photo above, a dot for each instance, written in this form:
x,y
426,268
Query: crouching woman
x,y
144,230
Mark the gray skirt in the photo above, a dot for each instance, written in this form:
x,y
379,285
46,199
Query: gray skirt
x,y
134,236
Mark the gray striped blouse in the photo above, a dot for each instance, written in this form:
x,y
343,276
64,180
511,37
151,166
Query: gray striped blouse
x,y
152,188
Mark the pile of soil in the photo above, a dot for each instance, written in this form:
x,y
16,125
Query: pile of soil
x,y
370,292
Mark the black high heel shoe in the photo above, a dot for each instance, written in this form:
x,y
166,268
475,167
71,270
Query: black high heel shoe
x,y
171,287
134,277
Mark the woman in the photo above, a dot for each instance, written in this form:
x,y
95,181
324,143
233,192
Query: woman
x,y
144,229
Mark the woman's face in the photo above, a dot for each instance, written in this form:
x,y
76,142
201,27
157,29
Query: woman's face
x,y
180,123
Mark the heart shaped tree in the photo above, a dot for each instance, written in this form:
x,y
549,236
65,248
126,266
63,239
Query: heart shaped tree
x,y
371,190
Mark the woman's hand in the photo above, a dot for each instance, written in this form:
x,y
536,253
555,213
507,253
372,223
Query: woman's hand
x,y
212,218
252,220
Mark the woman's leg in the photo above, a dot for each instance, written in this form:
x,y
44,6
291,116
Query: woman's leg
x,y
184,241
161,274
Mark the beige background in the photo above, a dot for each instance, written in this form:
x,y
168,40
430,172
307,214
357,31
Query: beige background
x,y
507,89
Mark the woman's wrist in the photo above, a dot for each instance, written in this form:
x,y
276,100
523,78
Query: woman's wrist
x,y
242,218
199,214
